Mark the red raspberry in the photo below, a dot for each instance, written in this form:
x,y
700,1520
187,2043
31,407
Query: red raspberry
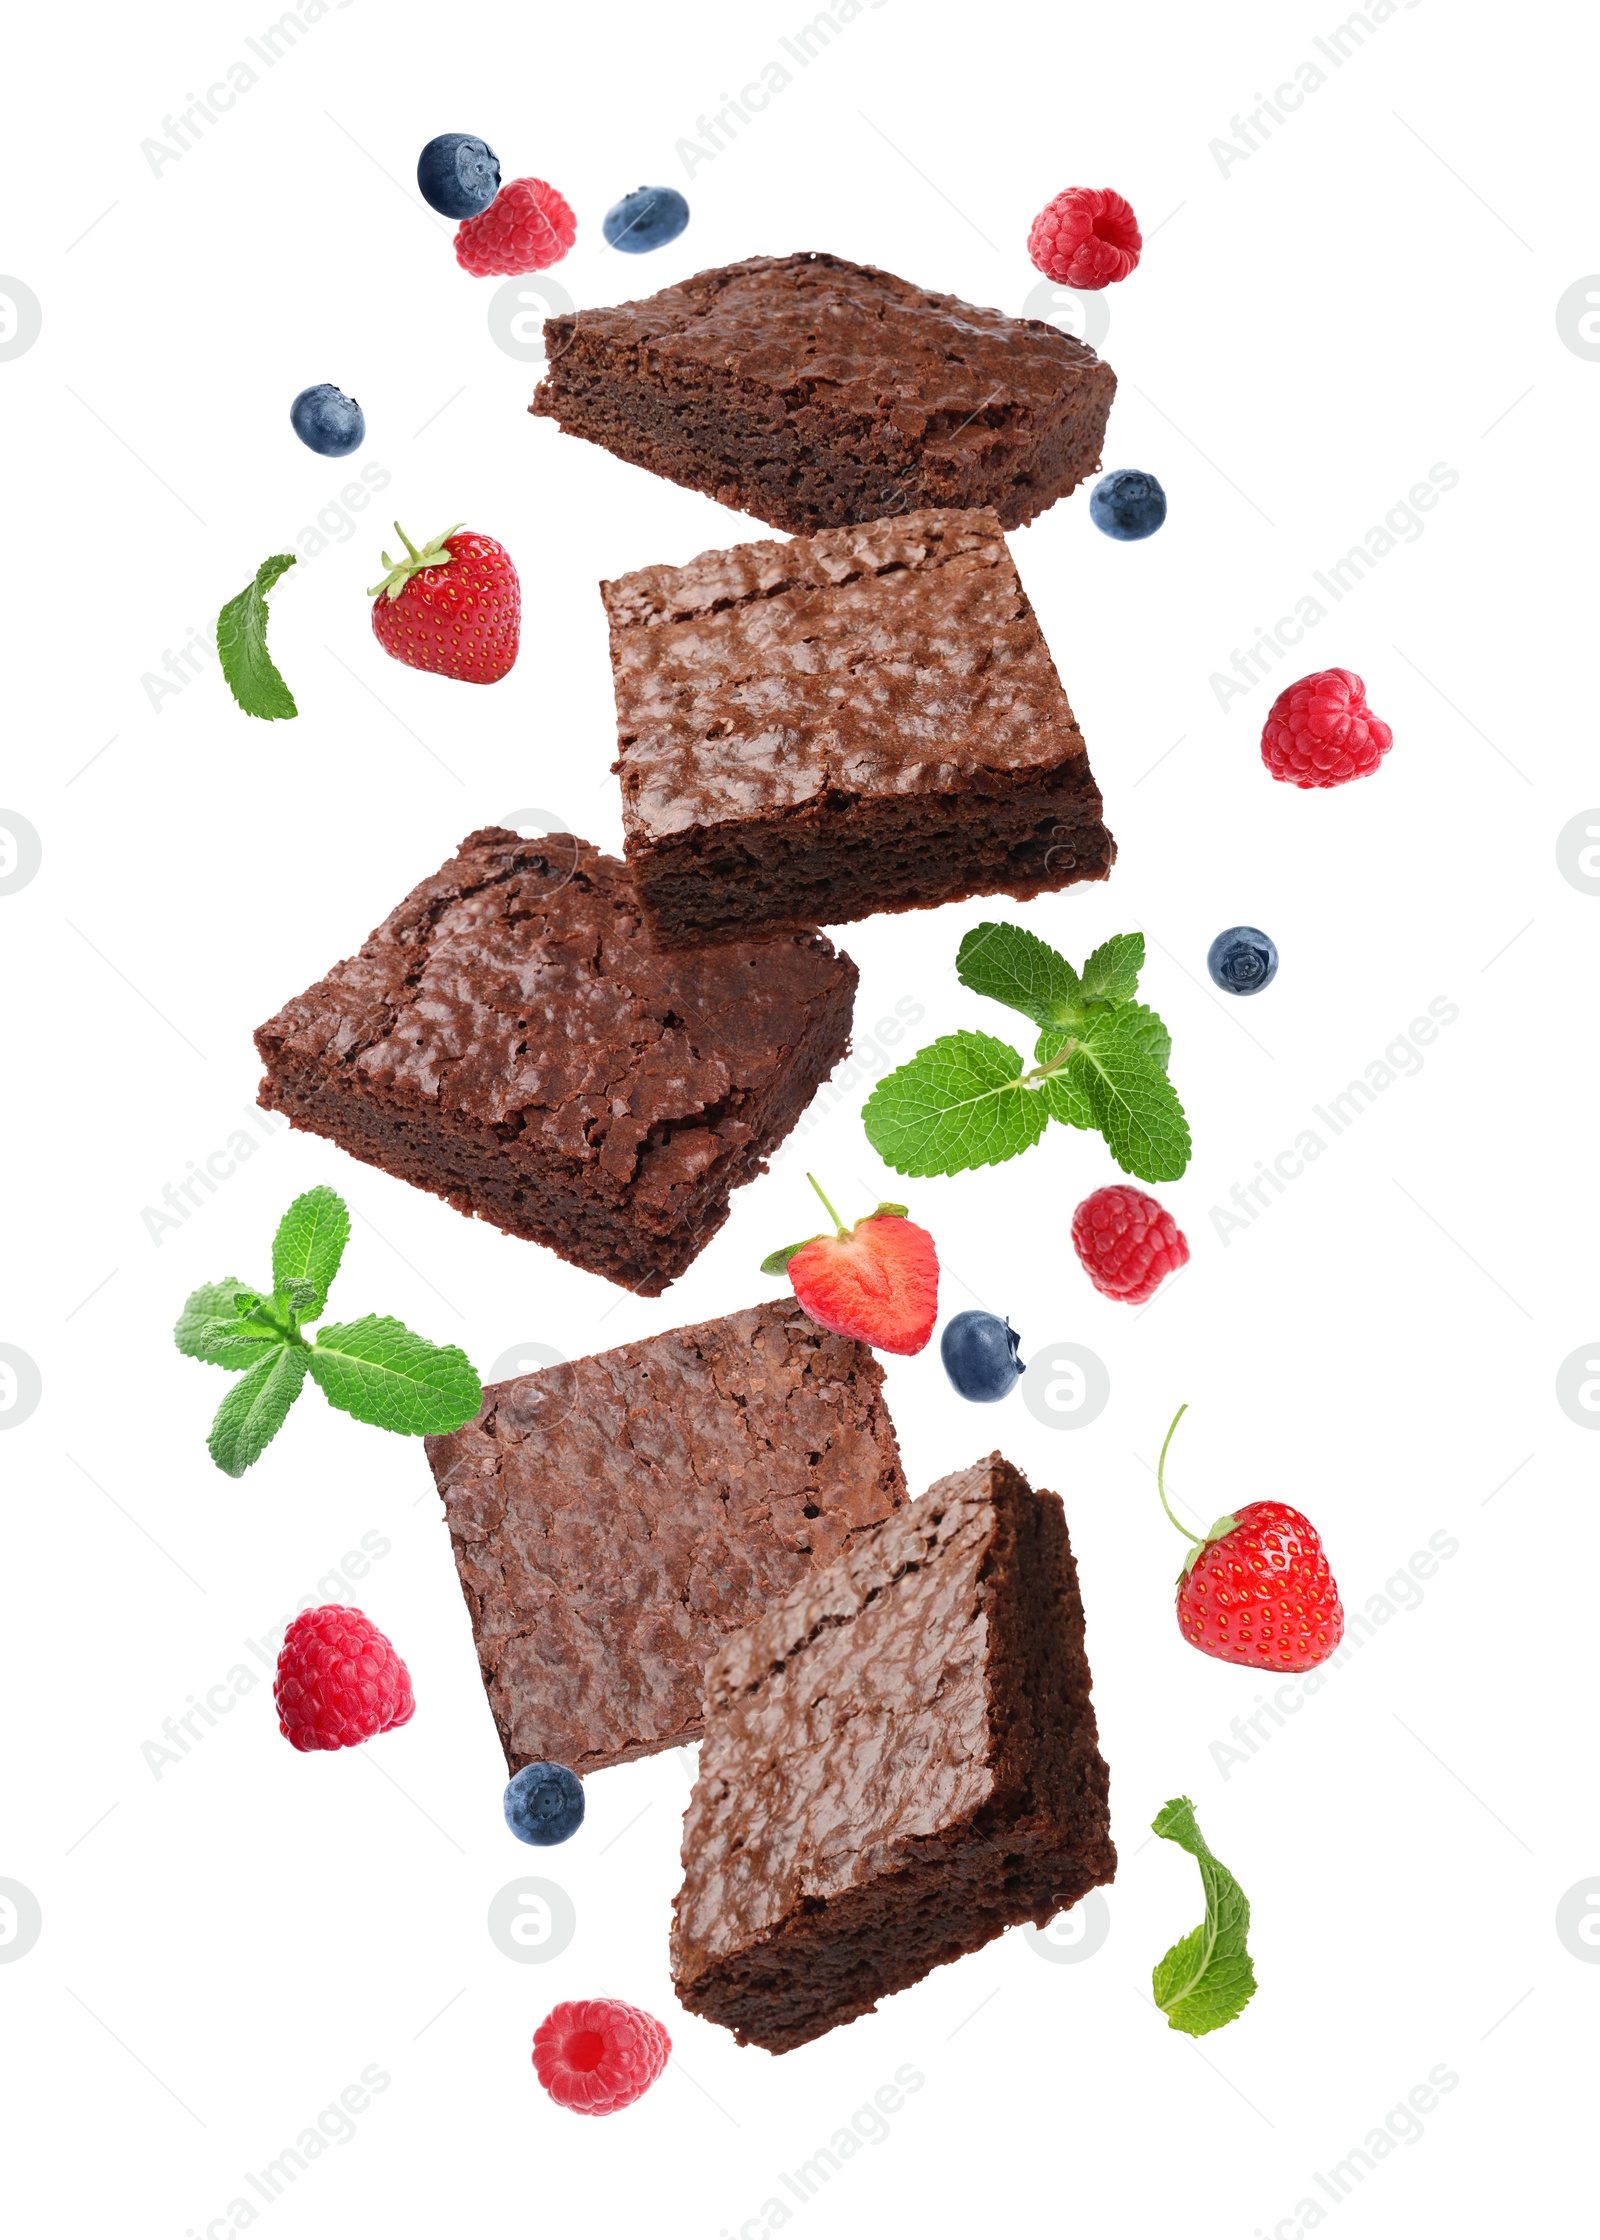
x,y
1085,237
1320,732
527,227
598,2055
339,1681
1128,1244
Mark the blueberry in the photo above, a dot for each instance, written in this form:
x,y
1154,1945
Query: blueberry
x,y
648,218
980,1355
544,1804
458,175
1128,505
1242,960
328,421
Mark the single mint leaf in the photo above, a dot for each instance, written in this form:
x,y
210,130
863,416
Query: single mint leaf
x,y
255,1408
310,1244
1135,1106
1112,972
1206,1980
212,1328
242,645
1015,967
777,1263
956,1105
380,1372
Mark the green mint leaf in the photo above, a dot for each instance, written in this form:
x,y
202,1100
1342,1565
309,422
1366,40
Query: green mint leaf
x,y
242,645
255,1408
1134,1105
213,1328
380,1372
956,1105
1112,973
1206,1980
1063,1098
777,1263
1017,968
1138,1027
310,1244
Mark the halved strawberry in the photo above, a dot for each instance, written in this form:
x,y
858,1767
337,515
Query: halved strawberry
x,y
877,1282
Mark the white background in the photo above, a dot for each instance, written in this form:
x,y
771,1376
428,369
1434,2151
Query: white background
x,y
1369,293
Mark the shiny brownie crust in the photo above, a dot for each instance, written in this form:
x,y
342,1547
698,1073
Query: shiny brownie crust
x,y
900,1761
614,1519
861,721
509,1040
813,392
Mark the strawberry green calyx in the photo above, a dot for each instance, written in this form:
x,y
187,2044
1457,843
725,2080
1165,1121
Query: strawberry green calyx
x,y
776,1263
437,554
1219,1531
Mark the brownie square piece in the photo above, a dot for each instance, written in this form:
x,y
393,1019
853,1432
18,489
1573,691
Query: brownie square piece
x,y
509,1040
813,392
864,720
900,1761
615,1519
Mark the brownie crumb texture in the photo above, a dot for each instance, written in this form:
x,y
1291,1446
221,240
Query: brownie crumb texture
x,y
900,1761
615,1519
813,392
510,1040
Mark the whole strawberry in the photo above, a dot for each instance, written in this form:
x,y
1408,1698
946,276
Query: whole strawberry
x,y
339,1681
877,1282
454,608
1257,1589
1320,731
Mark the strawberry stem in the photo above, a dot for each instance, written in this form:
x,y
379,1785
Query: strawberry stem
x,y
434,555
832,1216
1161,1487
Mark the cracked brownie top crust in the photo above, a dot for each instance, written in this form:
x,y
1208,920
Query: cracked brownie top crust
x,y
902,658
811,392
509,1038
900,1762
615,1518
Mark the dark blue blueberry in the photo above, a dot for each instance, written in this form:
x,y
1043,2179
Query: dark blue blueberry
x,y
329,421
458,174
981,1355
1242,960
648,218
1128,505
544,1804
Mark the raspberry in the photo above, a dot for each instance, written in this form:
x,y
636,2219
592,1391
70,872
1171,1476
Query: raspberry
x,y
1085,237
1128,1244
598,2055
1320,732
528,226
339,1681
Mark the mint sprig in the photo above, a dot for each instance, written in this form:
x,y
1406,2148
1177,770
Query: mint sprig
x,y
1207,1978
1100,1063
252,675
375,1370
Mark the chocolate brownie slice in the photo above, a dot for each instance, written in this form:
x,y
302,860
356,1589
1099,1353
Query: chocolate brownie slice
x,y
813,392
616,1518
509,1039
900,1761
864,720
